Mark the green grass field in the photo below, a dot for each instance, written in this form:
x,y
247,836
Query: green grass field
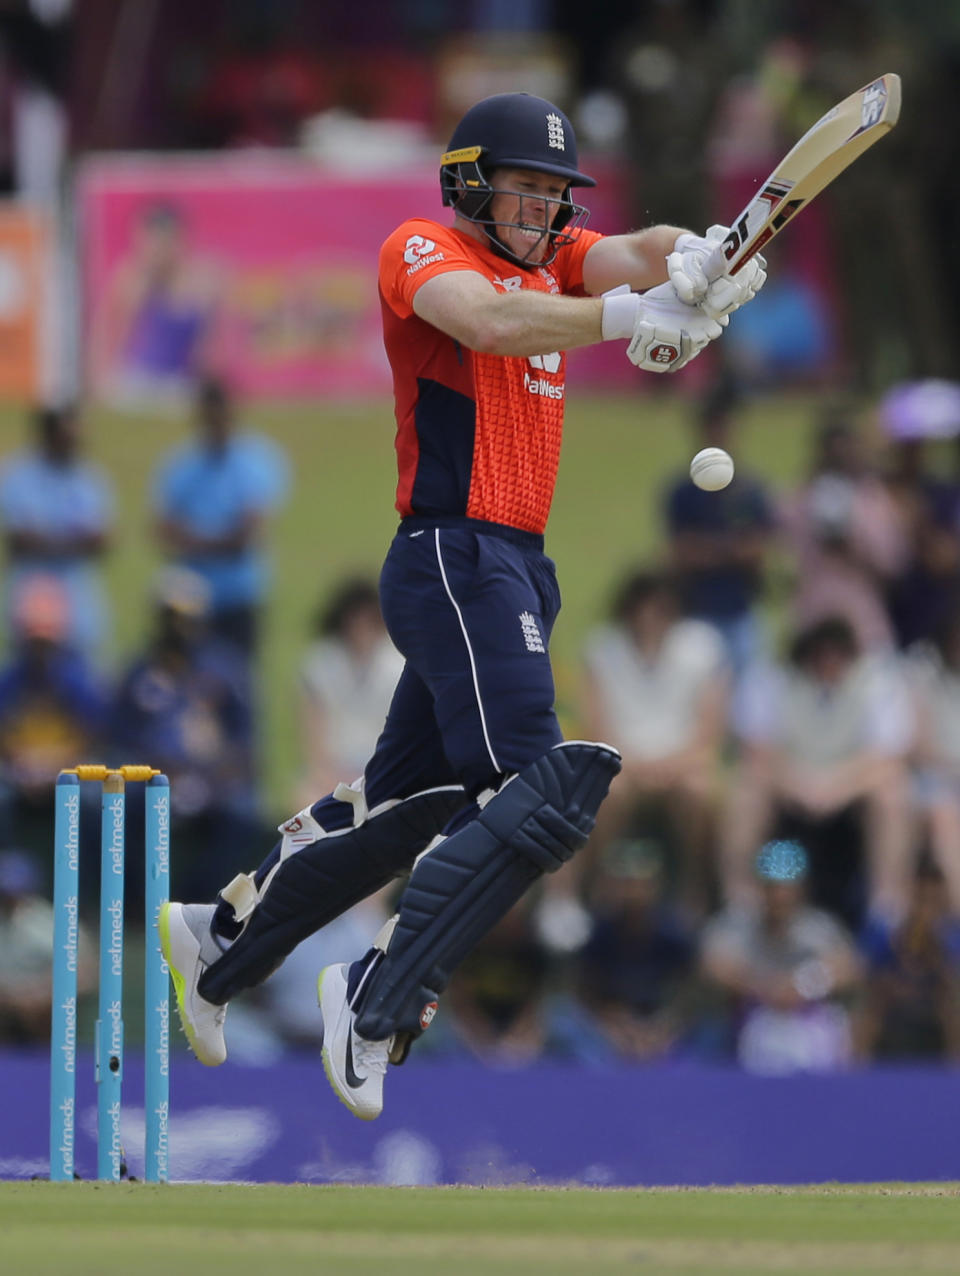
x,y
76,1229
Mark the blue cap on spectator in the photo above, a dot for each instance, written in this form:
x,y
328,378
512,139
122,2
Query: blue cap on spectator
x,y
782,861
18,874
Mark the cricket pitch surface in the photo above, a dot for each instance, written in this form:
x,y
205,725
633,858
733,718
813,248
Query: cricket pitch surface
x,y
184,1228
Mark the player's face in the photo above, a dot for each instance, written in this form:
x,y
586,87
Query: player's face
x,y
525,206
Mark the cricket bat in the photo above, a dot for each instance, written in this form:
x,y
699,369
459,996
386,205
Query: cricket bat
x,y
824,151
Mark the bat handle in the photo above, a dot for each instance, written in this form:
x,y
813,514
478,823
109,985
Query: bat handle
x,y
716,264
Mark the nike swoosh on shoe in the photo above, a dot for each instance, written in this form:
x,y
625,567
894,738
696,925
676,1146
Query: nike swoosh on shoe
x,y
353,1081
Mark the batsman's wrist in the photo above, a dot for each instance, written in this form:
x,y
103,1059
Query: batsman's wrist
x,y
687,239
619,315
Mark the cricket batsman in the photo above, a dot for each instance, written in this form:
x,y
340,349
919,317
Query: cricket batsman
x,y
471,789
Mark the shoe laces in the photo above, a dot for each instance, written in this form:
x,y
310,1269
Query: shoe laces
x,y
371,1055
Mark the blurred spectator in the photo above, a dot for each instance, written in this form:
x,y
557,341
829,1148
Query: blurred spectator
x,y
153,328
791,339
636,970
36,41
52,712
905,314
846,536
662,62
500,1006
912,1007
56,512
263,87
348,676
718,540
824,744
26,949
785,967
213,498
183,706
656,686
914,415
933,671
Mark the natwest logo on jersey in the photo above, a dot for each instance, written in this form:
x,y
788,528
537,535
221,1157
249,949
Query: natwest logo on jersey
x,y
543,385
417,247
550,279
548,362
540,385
419,252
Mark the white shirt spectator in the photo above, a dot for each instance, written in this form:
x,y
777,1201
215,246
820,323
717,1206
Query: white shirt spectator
x,y
353,696
937,690
652,704
774,1039
869,710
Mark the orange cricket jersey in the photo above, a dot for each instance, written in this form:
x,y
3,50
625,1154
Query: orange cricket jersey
x,y
477,434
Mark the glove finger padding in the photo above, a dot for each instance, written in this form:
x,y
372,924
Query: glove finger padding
x,y
663,333
686,275
667,334
693,269
729,293
657,348
685,265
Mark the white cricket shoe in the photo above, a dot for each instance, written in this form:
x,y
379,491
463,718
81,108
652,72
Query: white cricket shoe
x,y
355,1067
189,949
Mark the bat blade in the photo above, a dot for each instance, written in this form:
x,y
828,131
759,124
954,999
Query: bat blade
x,y
824,151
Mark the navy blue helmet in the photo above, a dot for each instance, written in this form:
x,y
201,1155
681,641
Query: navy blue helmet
x,y
512,130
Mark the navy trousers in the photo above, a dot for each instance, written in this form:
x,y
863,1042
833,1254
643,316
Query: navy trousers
x,y
471,606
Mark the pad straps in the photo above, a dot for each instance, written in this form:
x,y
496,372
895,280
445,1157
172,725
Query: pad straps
x,y
318,881
464,885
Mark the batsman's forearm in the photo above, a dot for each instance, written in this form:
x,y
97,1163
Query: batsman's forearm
x,y
530,323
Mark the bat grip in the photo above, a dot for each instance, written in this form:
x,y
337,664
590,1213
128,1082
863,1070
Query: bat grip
x,y
715,264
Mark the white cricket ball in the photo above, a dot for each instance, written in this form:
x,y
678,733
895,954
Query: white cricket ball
x,y
712,469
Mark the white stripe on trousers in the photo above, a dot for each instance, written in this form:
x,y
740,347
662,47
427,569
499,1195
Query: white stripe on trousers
x,y
466,639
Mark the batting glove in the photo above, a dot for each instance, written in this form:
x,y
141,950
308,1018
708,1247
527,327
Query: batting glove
x,y
664,333
695,268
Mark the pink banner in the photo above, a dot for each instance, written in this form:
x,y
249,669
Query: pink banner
x,y
263,270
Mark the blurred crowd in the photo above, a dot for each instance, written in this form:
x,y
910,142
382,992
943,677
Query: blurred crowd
x,y
690,101
775,877
185,702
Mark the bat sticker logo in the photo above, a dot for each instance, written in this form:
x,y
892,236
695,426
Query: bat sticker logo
x,y
874,100
787,212
772,194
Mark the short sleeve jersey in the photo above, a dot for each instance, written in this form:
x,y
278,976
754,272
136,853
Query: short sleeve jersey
x,y
477,434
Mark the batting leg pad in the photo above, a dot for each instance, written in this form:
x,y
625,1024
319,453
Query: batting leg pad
x,y
465,884
322,879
